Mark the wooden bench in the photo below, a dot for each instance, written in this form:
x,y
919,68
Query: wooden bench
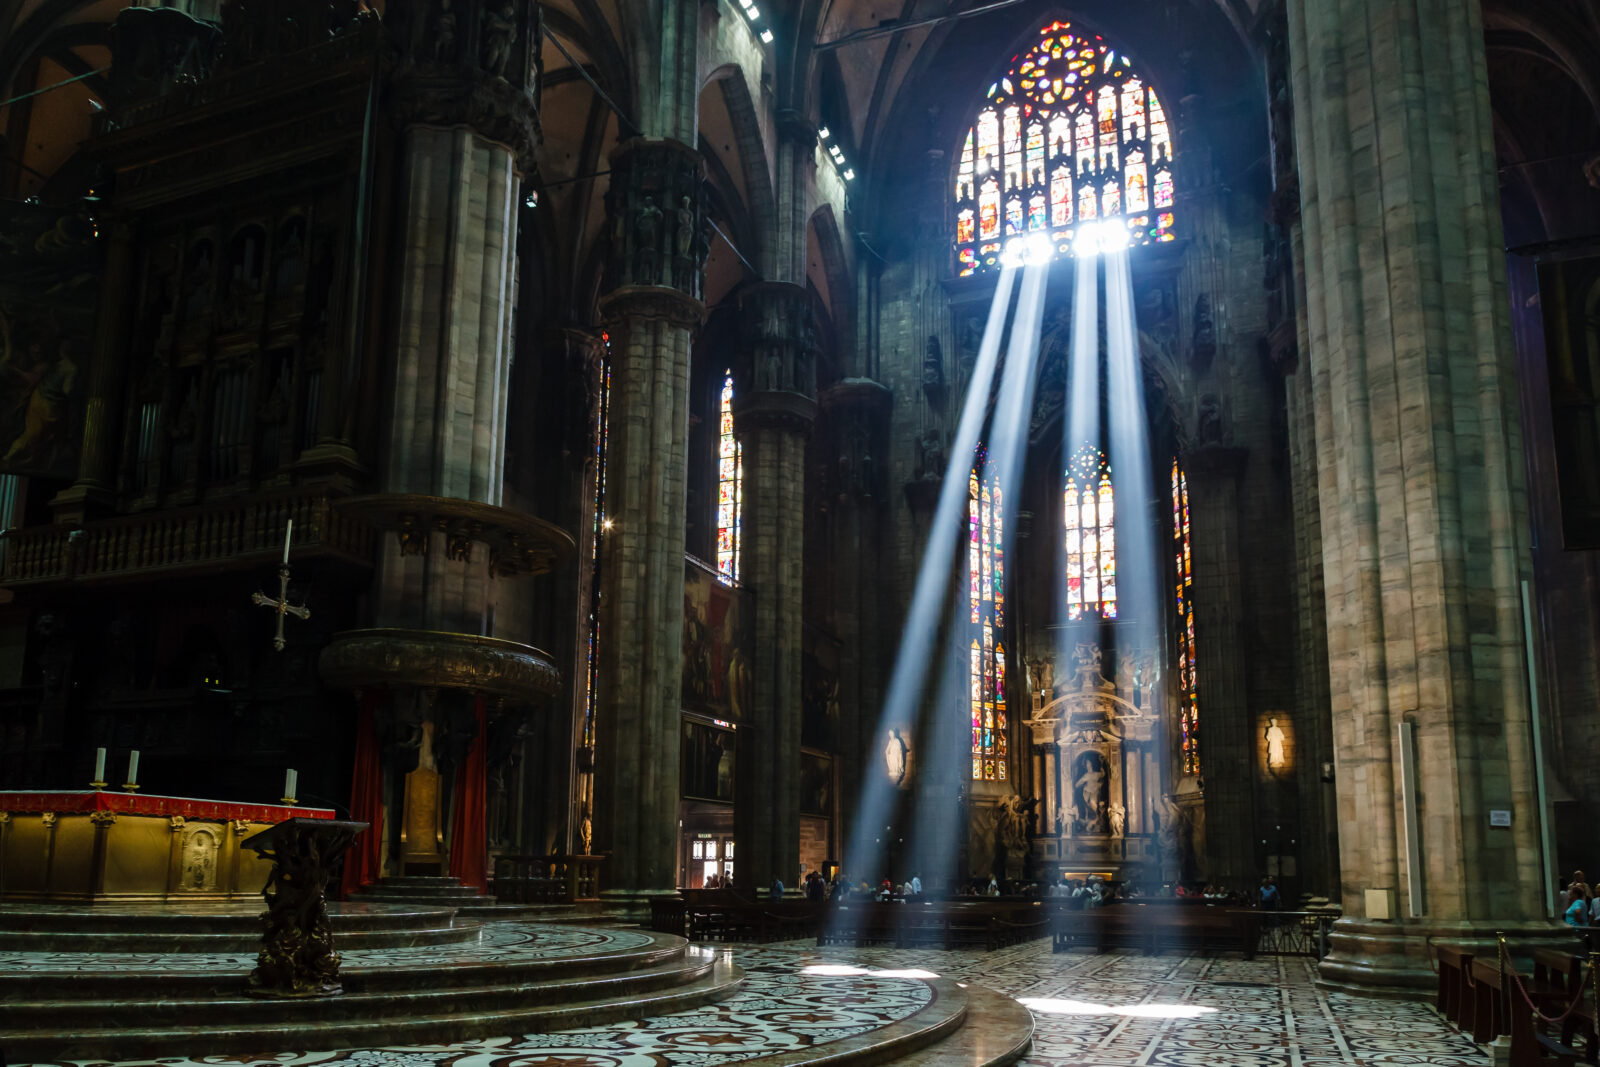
x,y
1454,999
1156,928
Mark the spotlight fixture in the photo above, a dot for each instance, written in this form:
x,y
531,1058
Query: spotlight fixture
x,y
766,36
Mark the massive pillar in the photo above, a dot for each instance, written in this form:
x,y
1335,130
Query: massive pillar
x,y
773,417
651,310
462,101
1227,747
1424,526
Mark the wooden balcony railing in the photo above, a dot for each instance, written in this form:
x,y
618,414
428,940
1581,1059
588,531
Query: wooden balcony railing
x,y
553,879
171,542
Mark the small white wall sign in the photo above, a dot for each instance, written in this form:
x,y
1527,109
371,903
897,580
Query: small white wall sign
x,y
1499,817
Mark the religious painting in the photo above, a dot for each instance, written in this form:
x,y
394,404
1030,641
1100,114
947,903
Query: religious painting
x,y
819,696
707,762
49,284
716,659
1569,293
816,784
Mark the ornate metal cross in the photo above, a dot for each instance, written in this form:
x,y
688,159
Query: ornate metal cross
x,y
280,604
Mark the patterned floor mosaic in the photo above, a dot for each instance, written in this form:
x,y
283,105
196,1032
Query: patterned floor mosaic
x,y
499,942
1089,1010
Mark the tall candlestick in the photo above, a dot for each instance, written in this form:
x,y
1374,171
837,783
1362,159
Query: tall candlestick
x,y
99,769
291,778
288,532
133,770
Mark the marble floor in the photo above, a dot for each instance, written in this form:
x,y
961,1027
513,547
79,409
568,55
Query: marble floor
x,y
1090,1011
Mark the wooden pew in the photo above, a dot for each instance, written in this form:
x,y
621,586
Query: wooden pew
x,y
1455,1000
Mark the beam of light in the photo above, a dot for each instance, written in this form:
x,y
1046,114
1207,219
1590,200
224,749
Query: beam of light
x,y
1137,564
1030,251
912,660
1100,239
1079,427
1054,1006
934,834
840,970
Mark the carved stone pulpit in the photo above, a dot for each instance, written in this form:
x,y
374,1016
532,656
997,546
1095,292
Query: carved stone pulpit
x,y
297,957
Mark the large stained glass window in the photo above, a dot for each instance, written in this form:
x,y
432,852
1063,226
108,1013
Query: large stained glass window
x,y
1070,134
1188,690
1089,507
730,487
986,574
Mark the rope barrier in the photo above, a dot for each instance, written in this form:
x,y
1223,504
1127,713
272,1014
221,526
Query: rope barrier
x,y
1583,987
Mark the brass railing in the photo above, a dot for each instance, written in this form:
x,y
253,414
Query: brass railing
x,y
168,541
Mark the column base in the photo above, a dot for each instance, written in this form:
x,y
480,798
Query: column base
x,y
632,905
1394,959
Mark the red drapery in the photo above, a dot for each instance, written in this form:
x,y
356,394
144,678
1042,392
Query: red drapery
x,y
362,864
469,846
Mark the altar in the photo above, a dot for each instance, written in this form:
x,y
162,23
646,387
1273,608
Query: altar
x,y
95,846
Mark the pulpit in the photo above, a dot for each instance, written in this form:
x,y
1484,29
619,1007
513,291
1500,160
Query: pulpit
x,y
89,846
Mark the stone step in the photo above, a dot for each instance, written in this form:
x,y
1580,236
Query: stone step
x,y
221,1036
997,1031
88,978
355,926
236,1008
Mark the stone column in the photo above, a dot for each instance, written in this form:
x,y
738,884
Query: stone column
x,y
103,413
1226,744
772,416
1424,525
651,309
857,411
464,96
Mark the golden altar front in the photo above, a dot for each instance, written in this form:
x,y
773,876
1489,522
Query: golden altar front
x,y
89,846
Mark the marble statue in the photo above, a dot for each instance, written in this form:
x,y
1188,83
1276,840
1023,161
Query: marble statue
x,y
1275,739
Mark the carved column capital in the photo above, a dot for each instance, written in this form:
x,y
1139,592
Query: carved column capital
x,y
777,330
474,65
660,231
858,410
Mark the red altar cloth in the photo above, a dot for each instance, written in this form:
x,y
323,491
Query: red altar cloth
x,y
86,800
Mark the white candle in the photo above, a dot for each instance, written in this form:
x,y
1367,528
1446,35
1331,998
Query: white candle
x,y
291,778
99,764
133,767
288,532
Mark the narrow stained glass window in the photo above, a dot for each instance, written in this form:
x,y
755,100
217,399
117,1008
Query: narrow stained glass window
x,y
1088,503
1072,133
1183,569
986,582
730,487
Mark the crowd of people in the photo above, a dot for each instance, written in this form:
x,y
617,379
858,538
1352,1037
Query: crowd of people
x,y
1087,892
1578,904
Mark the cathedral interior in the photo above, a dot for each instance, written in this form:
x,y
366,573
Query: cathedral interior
x,y
509,481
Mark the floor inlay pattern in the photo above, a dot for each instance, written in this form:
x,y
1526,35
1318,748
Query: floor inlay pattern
x,y
499,942
1089,1010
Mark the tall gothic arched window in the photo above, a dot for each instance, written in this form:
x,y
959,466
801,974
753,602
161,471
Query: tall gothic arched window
x,y
1090,513
730,487
986,573
1188,689
1071,134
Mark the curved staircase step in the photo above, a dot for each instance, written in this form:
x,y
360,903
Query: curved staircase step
x,y
221,1038
998,1031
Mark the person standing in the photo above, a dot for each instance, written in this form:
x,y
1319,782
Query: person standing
x,y
916,885
776,892
1270,898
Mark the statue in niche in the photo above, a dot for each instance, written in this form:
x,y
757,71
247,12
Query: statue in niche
x,y
686,227
1086,669
894,757
200,860
1042,680
444,33
646,236
1205,333
930,457
1170,815
933,365
1275,741
1127,673
1117,816
1209,427
1090,786
499,34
